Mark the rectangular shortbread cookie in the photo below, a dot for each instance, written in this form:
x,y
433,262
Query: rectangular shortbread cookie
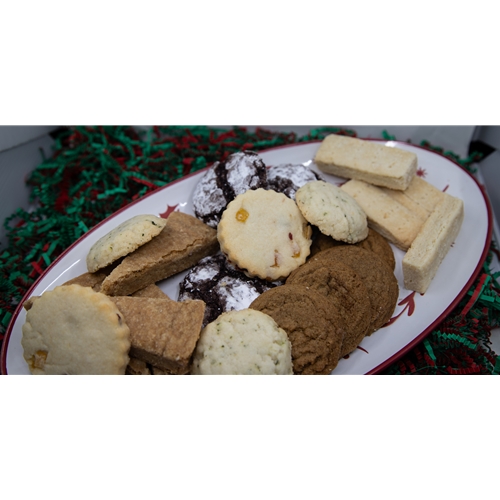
x,y
369,161
395,222
431,245
420,196
163,332
181,244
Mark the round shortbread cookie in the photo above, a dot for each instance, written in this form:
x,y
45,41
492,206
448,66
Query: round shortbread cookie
x,y
345,290
245,342
75,331
374,242
314,328
378,277
333,211
264,234
123,239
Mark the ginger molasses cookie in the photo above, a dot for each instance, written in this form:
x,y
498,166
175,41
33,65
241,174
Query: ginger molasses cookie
x,y
315,329
264,234
345,290
378,277
333,211
374,242
225,180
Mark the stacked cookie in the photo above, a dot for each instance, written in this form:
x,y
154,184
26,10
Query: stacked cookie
x,y
241,172
327,303
114,319
411,213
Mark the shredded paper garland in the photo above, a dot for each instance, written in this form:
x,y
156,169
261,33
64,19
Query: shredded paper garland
x,y
94,171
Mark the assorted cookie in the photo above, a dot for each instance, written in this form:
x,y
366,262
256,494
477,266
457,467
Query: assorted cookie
x,y
163,332
347,293
245,342
74,330
377,276
225,180
289,178
334,212
315,329
181,244
374,242
123,239
264,234
259,295
220,286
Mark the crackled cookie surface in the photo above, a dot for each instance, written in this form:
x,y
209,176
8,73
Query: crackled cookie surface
x,y
264,234
221,286
288,178
225,180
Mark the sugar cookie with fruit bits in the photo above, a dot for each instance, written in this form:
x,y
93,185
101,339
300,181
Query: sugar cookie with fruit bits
x,y
264,234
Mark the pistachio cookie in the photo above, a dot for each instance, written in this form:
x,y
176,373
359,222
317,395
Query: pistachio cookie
x,y
333,211
245,342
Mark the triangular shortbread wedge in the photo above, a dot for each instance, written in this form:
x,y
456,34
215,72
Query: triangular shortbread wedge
x,y
182,243
163,332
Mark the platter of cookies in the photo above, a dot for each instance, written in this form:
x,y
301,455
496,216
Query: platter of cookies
x,y
325,257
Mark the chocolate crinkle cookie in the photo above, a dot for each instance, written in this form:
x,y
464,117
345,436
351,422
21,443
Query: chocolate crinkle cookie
x,y
225,180
288,178
221,286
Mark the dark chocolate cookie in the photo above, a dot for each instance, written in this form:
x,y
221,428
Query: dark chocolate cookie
x,y
315,329
287,179
225,180
221,286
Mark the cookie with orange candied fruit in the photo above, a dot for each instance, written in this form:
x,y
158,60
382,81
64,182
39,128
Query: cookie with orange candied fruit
x,y
263,233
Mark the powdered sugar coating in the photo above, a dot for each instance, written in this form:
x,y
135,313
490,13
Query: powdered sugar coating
x,y
288,178
223,181
208,198
221,286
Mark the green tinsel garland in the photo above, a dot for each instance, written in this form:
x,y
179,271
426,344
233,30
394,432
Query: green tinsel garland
x,y
95,171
